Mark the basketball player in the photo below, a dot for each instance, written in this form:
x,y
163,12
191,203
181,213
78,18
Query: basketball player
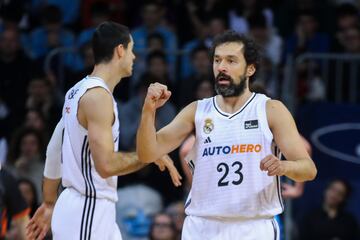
x,y
89,157
235,189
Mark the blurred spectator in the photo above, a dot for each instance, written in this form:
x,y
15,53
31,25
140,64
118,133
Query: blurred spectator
x,y
266,37
13,13
153,16
208,30
347,15
343,75
116,11
41,97
100,12
349,40
130,113
162,228
13,209
26,156
28,192
81,60
201,65
16,70
307,38
158,67
198,14
69,8
36,120
50,35
155,42
243,9
134,217
331,221
177,212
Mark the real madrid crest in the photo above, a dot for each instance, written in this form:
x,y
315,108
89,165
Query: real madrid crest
x,y
208,125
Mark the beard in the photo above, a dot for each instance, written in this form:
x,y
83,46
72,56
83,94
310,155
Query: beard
x,y
232,89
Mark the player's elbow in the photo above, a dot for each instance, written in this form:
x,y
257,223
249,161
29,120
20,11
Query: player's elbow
x,y
145,157
104,170
312,173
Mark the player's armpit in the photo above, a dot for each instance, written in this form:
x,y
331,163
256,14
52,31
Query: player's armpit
x,y
299,165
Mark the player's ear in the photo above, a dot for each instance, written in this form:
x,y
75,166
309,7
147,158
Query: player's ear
x,y
250,70
119,50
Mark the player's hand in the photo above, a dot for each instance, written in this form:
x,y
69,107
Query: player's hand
x,y
40,223
272,165
157,95
166,162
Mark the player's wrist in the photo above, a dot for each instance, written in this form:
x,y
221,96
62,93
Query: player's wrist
x,y
287,167
149,106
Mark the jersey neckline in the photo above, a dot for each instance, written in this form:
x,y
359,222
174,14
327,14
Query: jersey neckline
x,y
232,115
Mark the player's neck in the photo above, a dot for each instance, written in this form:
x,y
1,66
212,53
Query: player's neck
x,y
106,73
233,104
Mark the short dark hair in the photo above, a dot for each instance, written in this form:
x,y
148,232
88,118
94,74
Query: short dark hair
x,y
107,36
252,53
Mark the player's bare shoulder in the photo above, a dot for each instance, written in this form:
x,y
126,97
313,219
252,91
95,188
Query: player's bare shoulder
x,y
96,103
276,111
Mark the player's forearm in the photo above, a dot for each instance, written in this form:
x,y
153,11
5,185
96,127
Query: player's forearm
x,y
50,190
146,142
125,163
300,170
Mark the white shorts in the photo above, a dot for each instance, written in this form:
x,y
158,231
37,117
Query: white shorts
x,y
198,228
80,218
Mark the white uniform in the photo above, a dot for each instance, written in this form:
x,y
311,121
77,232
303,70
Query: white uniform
x,y
86,208
230,194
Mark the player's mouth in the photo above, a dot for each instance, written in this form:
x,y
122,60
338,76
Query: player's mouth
x,y
223,79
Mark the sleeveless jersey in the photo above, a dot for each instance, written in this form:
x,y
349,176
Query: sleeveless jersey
x,y
227,180
78,170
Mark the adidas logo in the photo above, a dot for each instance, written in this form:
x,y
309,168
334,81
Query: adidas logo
x,y
207,140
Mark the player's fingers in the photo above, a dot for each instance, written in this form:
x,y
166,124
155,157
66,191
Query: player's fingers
x,y
33,233
274,172
273,166
269,163
44,232
175,175
263,161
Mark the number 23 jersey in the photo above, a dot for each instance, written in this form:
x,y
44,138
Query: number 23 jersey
x,y
227,180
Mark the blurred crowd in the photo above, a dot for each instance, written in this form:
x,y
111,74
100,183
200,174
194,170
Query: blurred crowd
x,y
45,47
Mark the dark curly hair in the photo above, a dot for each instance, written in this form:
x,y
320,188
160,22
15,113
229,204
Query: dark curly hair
x,y
252,52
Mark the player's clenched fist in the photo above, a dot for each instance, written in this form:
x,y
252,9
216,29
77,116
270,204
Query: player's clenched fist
x,y
273,165
157,95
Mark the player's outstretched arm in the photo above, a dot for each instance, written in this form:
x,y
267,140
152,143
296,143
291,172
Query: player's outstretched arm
x,y
151,145
299,166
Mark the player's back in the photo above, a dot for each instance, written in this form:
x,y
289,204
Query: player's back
x,y
227,181
78,167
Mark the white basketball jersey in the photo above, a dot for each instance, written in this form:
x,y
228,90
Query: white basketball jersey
x,y
78,167
227,180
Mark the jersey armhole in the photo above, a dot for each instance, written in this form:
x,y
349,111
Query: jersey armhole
x,y
264,120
